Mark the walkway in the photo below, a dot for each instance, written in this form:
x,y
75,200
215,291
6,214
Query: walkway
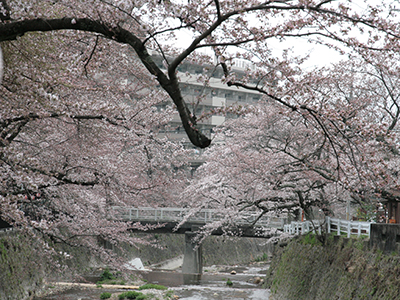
x,y
204,216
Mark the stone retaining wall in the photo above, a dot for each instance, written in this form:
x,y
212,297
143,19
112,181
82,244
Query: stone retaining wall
x,y
339,269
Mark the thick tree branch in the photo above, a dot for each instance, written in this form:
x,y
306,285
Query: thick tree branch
x,y
11,31
10,128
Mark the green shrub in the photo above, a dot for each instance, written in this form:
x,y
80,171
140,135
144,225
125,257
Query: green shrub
x,y
107,275
105,295
229,282
149,286
169,294
109,278
132,295
264,257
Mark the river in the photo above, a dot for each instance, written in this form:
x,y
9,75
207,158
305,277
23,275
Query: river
x,y
212,284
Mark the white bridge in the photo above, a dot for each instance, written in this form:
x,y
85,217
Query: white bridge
x,y
252,224
203,216
248,224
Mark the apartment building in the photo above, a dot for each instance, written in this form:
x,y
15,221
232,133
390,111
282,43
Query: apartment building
x,y
201,98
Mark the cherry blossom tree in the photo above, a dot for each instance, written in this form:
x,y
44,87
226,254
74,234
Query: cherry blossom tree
x,y
80,91
342,147
372,82
79,136
271,163
218,25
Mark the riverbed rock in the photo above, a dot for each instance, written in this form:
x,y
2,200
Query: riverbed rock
x,y
257,280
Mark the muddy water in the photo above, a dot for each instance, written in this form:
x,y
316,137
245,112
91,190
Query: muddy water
x,y
209,285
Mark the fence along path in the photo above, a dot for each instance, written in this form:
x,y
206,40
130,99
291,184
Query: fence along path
x,y
303,227
173,214
332,225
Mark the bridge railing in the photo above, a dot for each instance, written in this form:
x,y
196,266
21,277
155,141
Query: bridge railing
x,y
147,214
170,214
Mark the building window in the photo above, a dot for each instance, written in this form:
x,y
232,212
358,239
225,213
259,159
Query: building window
x,y
229,96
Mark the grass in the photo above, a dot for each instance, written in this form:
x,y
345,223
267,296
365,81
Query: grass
x,y
105,295
169,294
149,286
109,278
107,275
264,257
359,244
229,282
132,295
140,296
310,239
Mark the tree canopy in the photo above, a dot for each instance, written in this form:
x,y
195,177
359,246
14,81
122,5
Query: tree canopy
x,y
217,25
80,107
274,162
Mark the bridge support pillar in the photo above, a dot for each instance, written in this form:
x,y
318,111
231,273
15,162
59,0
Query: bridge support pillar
x,y
192,260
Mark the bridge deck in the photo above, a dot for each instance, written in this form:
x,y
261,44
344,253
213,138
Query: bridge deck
x,y
202,217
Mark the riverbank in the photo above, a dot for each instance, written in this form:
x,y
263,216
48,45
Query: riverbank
x,y
216,283
339,268
89,291
23,271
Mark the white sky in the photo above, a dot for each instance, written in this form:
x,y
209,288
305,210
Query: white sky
x,y
319,55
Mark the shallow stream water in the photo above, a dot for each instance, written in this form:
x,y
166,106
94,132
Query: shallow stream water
x,y
212,284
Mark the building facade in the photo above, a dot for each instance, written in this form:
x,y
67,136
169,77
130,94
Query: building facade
x,y
203,99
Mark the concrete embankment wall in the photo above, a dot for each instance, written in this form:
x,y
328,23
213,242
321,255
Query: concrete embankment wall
x,y
21,269
338,269
216,250
25,265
